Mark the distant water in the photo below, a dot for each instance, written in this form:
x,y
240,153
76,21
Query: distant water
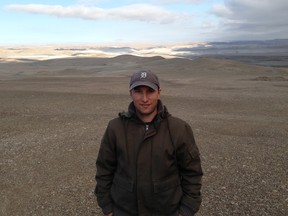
x,y
269,53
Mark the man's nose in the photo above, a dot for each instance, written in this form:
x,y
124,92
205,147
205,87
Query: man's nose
x,y
144,97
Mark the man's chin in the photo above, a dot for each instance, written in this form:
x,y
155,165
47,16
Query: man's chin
x,y
145,112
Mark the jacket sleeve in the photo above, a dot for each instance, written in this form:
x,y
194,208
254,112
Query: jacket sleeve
x,y
106,166
188,159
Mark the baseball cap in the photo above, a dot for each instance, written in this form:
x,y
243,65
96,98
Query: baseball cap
x,y
144,78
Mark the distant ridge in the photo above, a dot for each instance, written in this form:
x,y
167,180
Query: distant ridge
x,y
124,65
268,52
137,58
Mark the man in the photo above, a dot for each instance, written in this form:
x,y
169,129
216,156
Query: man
x,y
148,162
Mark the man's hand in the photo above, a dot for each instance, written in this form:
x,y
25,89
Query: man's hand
x,y
110,214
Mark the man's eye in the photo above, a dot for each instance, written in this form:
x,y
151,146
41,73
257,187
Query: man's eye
x,y
151,90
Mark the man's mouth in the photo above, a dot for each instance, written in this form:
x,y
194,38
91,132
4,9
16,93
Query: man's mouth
x,y
145,105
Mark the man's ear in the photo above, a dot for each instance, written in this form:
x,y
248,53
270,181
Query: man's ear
x,y
159,91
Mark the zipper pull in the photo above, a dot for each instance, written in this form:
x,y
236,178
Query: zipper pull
x,y
147,127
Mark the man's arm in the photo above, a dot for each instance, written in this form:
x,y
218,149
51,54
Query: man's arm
x,y
106,166
189,164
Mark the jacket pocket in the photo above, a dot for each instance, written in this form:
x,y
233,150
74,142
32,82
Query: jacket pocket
x,y
123,183
167,194
122,193
164,185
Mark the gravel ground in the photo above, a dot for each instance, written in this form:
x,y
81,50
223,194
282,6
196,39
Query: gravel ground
x,y
51,128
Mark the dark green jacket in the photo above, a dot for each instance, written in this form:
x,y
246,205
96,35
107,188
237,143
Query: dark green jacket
x,y
148,169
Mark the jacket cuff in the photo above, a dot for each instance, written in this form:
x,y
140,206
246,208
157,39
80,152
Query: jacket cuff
x,y
107,209
186,211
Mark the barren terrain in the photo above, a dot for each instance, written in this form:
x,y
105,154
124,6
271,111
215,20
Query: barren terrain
x,y
53,114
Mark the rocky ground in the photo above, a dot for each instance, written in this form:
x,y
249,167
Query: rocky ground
x,y
53,115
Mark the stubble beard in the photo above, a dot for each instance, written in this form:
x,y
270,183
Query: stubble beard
x,y
148,113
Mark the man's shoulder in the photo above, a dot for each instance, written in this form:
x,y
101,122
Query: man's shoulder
x,y
176,121
177,124
115,121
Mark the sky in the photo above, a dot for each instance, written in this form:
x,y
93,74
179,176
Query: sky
x,y
150,21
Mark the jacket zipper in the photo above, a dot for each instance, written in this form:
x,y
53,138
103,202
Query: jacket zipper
x,y
147,127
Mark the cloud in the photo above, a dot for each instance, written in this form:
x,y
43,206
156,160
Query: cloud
x,y
221,10
178,1
139,12
253,18
90,2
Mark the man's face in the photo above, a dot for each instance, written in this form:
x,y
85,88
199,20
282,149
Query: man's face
x,y
145,100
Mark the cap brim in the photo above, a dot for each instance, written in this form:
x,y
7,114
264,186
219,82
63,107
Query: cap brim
x,y
143,83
